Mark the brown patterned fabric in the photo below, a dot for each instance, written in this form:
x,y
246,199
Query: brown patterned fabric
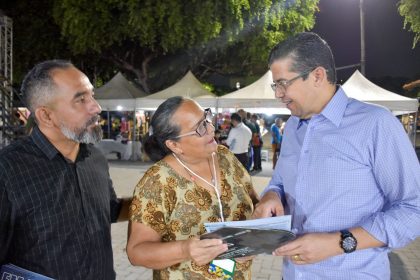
x,y
177,209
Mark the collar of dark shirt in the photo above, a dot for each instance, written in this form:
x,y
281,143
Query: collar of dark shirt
x,y
48,148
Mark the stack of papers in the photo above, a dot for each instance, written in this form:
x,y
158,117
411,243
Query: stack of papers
x,y
279,222
251,237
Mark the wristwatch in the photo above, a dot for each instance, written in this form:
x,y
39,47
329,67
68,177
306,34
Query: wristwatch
x,y
348,242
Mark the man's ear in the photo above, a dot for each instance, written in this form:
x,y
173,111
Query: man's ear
x,y
174,146
43,116
320,76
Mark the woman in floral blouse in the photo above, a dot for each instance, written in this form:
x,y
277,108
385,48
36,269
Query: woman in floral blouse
x,y
194,181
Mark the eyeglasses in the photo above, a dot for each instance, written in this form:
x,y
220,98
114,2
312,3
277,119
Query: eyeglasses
x,y
202,128
282,85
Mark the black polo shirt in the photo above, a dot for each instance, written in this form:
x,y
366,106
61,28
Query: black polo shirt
x,y
55,215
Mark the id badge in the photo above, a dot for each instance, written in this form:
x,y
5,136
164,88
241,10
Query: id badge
x,y
223,268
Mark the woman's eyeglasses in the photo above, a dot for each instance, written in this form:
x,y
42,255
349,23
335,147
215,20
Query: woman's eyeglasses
x,y
202,128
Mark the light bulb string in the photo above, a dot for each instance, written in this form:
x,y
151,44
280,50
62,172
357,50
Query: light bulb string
x,y
214,186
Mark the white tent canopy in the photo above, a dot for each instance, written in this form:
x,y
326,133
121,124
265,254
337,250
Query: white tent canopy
x,y
188,86
257,95
118,94
260,95
358,87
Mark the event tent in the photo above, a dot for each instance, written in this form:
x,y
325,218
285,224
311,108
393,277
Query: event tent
x,y
188,86
260,95
257,95
118,94
358,87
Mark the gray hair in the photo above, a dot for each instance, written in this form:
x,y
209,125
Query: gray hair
x,y
38,86
163,128
308,51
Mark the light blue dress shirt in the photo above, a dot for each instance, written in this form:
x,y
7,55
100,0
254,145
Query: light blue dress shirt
x,y
352,165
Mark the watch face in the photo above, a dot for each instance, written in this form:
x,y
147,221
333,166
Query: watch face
x,y
349,244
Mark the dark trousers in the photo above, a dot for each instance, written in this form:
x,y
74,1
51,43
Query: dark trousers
x,y
250,158
243,158
276,152
257,157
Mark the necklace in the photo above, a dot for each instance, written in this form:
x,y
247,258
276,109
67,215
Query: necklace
x,y
213,184
192,174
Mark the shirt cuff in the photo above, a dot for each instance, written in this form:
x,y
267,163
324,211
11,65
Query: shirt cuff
x,y
271,188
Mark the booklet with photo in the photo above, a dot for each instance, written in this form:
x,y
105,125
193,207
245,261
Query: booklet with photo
x,y
10,271
278,222
249,241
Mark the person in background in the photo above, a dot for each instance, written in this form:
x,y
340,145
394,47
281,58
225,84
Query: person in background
x,y
256,144
238,139
193,181
276,138
246,119
283,124
347,172
124,130
217,135
115,127
57,201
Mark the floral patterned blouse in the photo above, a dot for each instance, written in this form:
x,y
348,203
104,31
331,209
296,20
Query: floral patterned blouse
x,y
177,209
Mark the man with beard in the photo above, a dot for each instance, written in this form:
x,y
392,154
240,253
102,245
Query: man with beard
x,y
56,196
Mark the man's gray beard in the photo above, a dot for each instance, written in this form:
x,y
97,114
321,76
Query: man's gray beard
x,y
83,135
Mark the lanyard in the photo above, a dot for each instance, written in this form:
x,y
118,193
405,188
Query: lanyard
x,y
214,186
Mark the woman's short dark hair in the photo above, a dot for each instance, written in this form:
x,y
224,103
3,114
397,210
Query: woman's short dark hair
x,y
162,128
307,51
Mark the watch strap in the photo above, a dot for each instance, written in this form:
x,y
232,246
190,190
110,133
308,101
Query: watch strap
x,y
345,233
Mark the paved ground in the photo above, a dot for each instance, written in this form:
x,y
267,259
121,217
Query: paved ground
x,y
125,174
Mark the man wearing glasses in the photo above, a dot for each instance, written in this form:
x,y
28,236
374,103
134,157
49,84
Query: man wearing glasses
x,y
347,172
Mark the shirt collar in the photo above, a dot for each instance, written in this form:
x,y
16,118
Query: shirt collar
x,y
48,148
334,111
43,143
302,122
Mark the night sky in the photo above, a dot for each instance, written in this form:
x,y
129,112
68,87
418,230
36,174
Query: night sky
x,y
388,46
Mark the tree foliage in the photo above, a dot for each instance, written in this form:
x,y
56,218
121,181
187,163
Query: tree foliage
x,y
410,10
37,37
157,41
151,37
31,30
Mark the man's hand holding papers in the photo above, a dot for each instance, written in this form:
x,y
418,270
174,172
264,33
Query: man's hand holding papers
x,y
269,205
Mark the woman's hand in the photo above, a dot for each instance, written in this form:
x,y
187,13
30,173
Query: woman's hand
x,y
203,251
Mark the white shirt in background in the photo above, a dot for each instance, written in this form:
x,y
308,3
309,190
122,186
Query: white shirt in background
x,y
239,138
